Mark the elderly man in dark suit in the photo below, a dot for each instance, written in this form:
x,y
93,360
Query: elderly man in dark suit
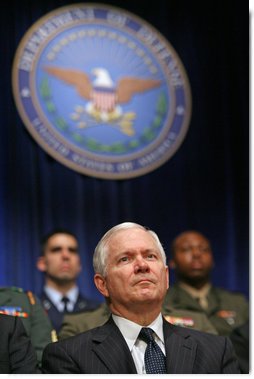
x,y
17,355
131,273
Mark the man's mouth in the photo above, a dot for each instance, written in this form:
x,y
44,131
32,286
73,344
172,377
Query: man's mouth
x,y
197,266
65,268
144,281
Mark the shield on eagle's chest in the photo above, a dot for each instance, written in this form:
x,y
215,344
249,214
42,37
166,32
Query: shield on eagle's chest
x,y
104,99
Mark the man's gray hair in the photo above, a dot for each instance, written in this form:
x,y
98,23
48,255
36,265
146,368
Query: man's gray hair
x,y
101,251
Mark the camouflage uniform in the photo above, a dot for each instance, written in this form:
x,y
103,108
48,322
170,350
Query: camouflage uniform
x,y
80,322
16,302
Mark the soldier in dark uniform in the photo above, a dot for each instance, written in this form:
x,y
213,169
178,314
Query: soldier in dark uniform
x,y
60,262
192,260
25,305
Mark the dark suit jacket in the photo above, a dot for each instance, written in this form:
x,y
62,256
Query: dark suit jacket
x,y
240,339
17,355
103,350
56,317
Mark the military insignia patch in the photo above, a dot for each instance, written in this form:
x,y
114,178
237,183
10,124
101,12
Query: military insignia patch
x,y
228,316
180,321
13,311
101,91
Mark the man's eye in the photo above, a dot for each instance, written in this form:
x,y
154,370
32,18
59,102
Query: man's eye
x,y
151,256
124,259
55,249
74,251
204,249
186,249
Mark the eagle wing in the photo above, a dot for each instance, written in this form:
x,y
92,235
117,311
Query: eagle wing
x,y
72,77
127,87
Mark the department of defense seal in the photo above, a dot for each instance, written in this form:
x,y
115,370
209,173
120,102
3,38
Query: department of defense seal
x,y
102,91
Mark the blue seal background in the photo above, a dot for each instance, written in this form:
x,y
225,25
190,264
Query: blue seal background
x,y
203,186
91,38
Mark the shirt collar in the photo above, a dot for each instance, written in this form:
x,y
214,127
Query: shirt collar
x,y
195,292
130,330
56,296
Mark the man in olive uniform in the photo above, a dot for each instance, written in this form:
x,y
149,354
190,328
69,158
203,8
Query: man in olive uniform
x,y
192,260
25,305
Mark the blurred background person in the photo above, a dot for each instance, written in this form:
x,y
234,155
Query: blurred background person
x,y
17,355
61,264
26,306
192,260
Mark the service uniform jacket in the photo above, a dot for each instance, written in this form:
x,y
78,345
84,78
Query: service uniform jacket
x,y
56,317
26,306
103,350
240,338
226,310
17,355
80,322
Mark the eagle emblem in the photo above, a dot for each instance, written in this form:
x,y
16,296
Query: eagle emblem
x,y
104,98
101,90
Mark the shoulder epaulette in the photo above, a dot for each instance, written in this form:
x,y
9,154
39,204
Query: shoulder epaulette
x,y
14,289
31,297
54,337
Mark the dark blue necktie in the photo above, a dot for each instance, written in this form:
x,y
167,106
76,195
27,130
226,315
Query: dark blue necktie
x,y
65,300
155,360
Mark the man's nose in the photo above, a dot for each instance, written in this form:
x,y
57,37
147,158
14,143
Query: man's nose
x,y
196,251
66,253
141,265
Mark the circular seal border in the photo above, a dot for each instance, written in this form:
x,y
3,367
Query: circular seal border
x,y
85,162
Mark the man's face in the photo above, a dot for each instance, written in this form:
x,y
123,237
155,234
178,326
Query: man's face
x,y
136,273
193,257
61,259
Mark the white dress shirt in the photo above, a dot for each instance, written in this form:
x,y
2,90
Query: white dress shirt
x,y
130,331
56,297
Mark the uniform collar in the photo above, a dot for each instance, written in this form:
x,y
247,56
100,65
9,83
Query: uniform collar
x,y
195,292
56,297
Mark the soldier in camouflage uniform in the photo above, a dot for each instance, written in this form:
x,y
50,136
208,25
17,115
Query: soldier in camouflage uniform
x,y
17,302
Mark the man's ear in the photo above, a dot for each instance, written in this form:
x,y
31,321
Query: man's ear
x,y
80,266
40,264
167,272
101,285
172,264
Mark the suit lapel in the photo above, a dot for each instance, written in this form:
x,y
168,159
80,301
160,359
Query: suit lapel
x,y
180,349
111,348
